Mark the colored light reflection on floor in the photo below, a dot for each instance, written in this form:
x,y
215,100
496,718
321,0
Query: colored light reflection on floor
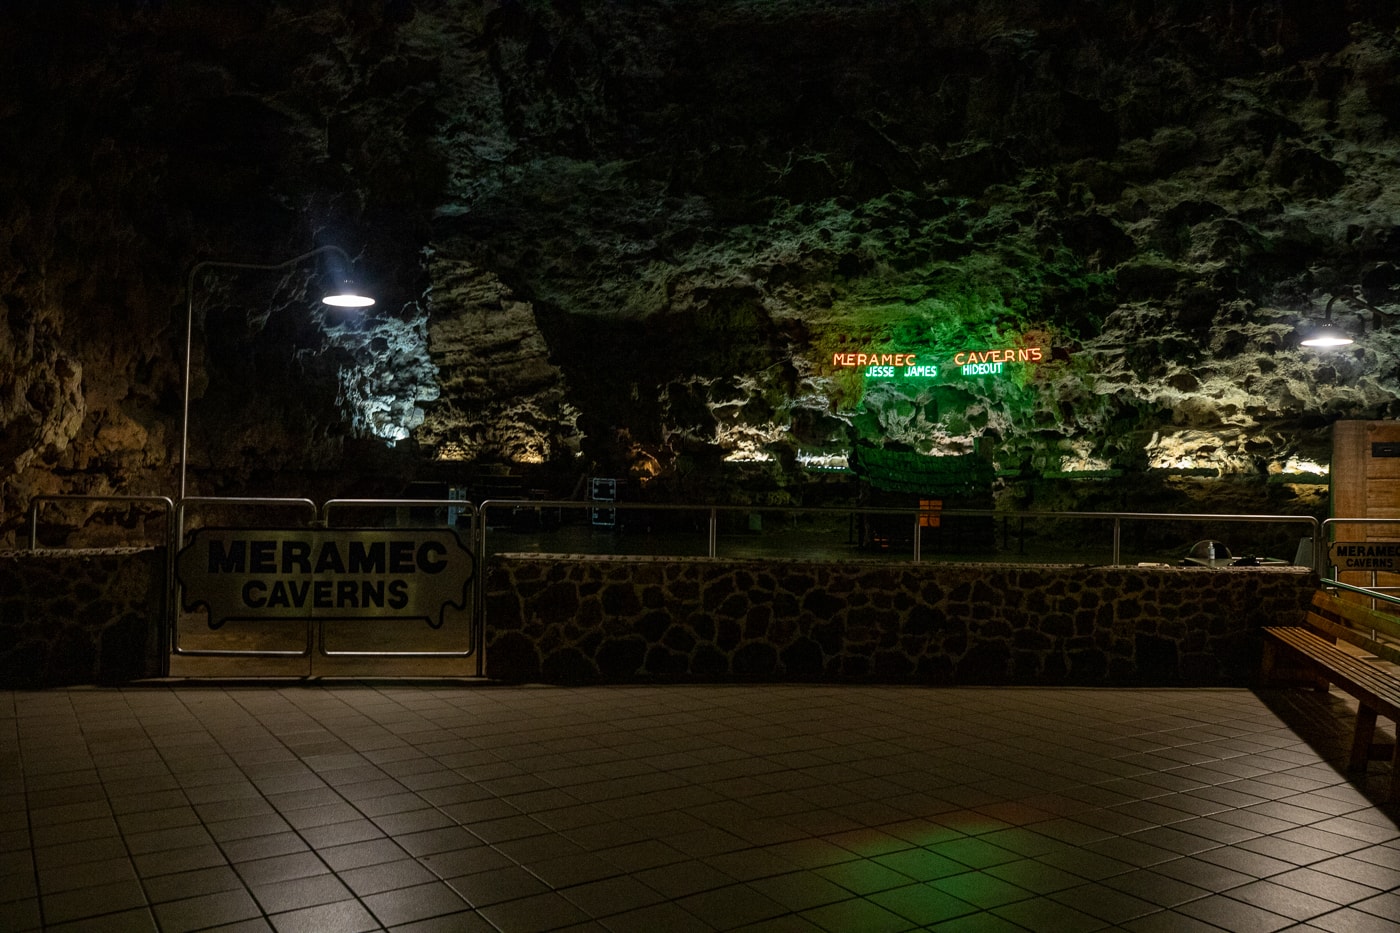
x,y
774,807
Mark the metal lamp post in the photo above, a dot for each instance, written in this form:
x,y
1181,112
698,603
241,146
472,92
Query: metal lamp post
x,y
344,297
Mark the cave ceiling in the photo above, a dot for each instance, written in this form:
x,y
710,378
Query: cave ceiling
x,y
639,239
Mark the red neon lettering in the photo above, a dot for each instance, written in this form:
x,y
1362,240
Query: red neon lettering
x,y
876,359
1007,355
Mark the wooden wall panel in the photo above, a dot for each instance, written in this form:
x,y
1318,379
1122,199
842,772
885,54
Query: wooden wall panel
x,y
1366,484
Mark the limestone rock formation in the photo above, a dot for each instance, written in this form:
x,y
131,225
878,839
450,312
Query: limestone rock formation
x,y
504,401
636,239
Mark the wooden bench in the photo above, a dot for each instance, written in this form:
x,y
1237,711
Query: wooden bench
x,y
1364,669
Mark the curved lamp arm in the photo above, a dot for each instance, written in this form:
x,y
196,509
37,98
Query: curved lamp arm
x,y
189,330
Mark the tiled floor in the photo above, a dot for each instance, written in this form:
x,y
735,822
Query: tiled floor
x,y
680,808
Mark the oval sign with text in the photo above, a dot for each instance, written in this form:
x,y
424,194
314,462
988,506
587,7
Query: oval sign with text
x,y
411,574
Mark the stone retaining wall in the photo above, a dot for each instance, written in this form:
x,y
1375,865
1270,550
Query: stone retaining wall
x,y
588,618
80,616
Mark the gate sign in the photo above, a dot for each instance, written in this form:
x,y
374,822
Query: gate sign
x,y
1365,555
411,574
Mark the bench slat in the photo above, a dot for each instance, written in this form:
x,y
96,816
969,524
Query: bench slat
x,y
1358,677
1379,648
1360,619
1365,616
1376,689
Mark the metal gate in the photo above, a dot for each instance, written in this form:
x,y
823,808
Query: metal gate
x,y
363,588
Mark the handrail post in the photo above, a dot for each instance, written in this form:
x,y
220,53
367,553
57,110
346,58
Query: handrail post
x,y
478,539
1117,540
714,532
918,536
1322,551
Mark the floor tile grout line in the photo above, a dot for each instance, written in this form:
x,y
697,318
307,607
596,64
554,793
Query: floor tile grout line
x,y
130,856
753,845
29,823
310,847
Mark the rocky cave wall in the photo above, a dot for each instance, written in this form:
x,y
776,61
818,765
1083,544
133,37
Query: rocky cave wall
x,y
629,238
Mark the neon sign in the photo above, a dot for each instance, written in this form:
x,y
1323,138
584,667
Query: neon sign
x,y
982,369
906,366
907,372
1014,355
858,360
885,365
993,362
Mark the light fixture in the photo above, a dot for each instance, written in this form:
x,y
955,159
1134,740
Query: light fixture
x,y
1327,335
342,292
346,296
342,295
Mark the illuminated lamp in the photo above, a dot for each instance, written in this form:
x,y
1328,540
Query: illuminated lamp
x,y
342,295
347,296
1330,335
342,292
1327,334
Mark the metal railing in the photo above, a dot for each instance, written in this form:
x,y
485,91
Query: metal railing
x,y
320,517
462,505
917,519
1330,573
172,635
475,528
239,502
915,522
1374,594
36,504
